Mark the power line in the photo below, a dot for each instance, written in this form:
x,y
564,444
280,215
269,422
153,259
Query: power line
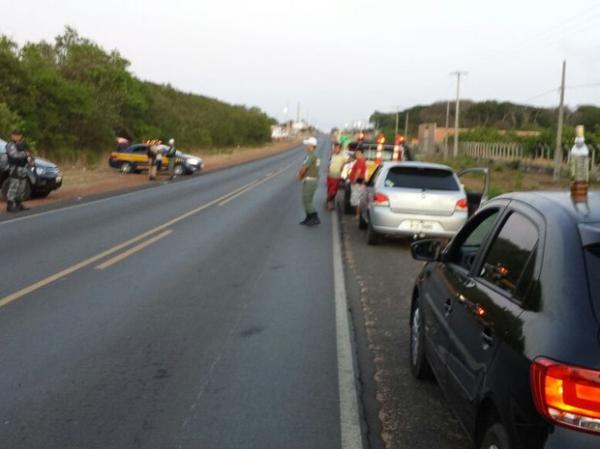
x,y
543,94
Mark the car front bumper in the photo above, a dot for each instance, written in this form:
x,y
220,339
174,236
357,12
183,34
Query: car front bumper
x,y
48,182
386,221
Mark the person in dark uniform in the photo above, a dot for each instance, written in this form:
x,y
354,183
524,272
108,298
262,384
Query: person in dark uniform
x,y
18,158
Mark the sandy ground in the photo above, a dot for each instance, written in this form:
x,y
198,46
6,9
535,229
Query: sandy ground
x,y
80,182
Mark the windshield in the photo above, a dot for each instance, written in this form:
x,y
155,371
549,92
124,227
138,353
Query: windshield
x,y
421,178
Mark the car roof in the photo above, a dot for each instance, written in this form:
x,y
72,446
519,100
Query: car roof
x,y
417,164
555,203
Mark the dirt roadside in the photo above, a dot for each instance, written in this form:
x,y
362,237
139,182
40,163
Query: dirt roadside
x,y
81,182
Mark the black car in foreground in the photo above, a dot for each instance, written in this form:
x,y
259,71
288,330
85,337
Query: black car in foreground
x,y
507,317
42,177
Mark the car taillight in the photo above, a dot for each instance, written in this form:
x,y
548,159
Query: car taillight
x,y
462,204
379,199
566,395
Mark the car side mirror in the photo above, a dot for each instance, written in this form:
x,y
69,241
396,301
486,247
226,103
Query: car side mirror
x,y
426,250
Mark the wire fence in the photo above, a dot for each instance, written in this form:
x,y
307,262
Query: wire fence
x,y
541,154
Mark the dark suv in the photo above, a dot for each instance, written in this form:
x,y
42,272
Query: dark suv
x,y
42,177
507,317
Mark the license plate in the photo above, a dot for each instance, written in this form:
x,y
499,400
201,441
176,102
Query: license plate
x,y
59,179
417,225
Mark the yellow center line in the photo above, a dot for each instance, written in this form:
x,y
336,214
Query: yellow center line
x,y
256,184
78,266
133,250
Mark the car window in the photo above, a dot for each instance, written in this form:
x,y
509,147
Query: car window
x,y
423,178
466,247
509,261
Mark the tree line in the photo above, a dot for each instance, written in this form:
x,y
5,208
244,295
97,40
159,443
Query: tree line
x,y
497,121
72,97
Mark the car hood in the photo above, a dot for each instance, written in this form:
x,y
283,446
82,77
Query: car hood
x,y
44,163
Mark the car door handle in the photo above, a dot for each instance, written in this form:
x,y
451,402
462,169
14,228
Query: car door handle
x,y
448,306
468,283
487,338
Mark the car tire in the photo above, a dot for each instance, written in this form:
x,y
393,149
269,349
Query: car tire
x,y
179,170
495,437
419,365
41,193
126,168
4,190
362,223
373,237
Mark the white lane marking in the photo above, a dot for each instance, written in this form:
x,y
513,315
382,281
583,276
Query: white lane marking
x,y
133,250
350,428
78,266
255,184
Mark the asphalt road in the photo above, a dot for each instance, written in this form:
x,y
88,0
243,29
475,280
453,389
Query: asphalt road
x,y
197,314
402,412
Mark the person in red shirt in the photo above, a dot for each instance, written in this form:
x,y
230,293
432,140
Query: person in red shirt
x,y
357,181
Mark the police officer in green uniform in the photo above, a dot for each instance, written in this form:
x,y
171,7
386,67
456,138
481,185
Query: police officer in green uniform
x,y
309,175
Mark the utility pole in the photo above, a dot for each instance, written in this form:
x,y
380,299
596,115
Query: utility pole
x,y
561,114
446,133
406,126
458,74
397,118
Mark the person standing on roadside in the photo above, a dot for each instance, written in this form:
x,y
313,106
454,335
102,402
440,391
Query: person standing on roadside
x,y
336,165
172,155
309,175
153,150
18,158
357,181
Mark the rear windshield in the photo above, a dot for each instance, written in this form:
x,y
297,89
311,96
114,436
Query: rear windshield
x,y
421,178
371,154
592,259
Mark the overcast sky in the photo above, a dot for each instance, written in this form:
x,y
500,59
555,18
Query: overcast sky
x,y
341,59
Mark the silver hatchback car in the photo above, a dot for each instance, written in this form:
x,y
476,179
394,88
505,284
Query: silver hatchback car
x,y
418,199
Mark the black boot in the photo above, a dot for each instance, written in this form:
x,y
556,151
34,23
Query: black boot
x,y
11,206
314,220
306,219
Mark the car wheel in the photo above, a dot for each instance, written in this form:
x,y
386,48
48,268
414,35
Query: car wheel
x,y
41,193
373,237
179,170
126,167
495,437
419,366
362,223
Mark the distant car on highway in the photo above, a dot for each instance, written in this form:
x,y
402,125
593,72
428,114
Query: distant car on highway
x,y
417,199
507,317
135,159
42,178
371,154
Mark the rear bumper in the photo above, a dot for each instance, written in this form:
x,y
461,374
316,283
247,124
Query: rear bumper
x,y
385,221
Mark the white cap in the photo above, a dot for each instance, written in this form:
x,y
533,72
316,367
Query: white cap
x,y
171,141
312,141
